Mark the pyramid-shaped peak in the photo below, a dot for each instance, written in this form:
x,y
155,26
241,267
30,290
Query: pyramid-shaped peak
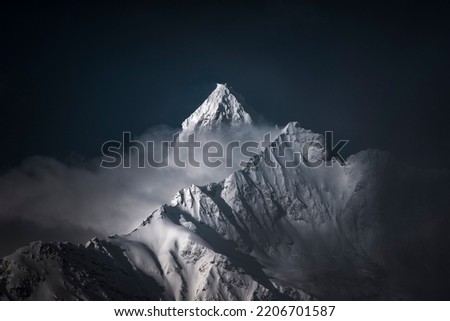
x,y
220,108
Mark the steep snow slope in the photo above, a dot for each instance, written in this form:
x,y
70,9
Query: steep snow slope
x,y
376,229
220,109
266,232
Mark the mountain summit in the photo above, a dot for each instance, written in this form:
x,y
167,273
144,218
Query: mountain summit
x,y
375,229
219,109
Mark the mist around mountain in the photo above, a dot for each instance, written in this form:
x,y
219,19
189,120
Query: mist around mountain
x,y
54,200
375,229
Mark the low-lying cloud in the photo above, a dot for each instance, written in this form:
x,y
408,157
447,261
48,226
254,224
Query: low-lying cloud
x,y
46,199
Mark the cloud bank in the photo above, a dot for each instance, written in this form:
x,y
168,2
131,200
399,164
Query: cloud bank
x,y
46,199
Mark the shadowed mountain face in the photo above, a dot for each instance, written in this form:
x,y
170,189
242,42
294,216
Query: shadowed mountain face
x,y
375,229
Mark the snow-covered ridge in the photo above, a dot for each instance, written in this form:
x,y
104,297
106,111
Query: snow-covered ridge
x,y
376,229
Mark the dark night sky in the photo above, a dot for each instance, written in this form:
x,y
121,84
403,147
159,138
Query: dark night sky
x,y
75,74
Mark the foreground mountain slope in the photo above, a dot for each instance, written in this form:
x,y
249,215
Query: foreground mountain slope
x,y
64,271
372,230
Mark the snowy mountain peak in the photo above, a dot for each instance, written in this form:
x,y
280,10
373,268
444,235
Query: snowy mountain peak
x,y
220,108
269,231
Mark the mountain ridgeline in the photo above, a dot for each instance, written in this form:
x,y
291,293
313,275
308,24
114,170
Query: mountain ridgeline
x,y
375,229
